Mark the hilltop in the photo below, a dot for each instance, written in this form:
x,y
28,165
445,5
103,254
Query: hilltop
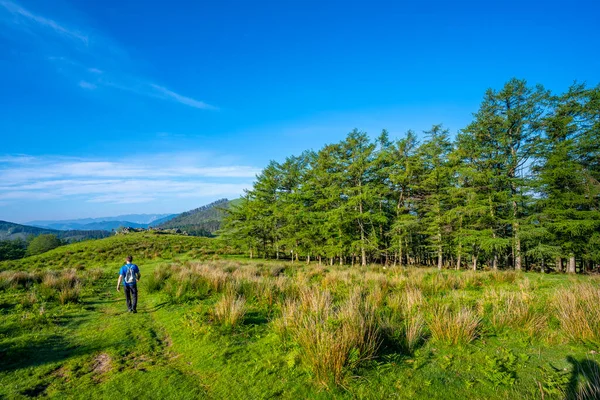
x,y
10,231
201,221
105,223
144,246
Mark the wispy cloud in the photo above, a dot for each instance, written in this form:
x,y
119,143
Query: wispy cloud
x,y
182,99
26,15
135,181
100,62
87,85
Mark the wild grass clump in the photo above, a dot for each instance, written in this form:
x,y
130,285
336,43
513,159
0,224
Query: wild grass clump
x,y
230,309
69,294
95,274
156,281
578,311
504,276
184,286
514,310
332,339
16,279
30,299
453,327
405,323
413,331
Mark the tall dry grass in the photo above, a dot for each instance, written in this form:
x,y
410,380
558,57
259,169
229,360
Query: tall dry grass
x,y
578,311
514,310
230,309
332,339
453,326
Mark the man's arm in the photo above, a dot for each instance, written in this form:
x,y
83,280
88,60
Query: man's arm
x,y
138,274
119,281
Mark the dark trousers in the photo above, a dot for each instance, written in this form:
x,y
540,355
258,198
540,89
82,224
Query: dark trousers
x,y
131,296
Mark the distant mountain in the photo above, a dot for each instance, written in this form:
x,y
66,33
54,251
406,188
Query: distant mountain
x,y
9,230
202,221
163,220
105,223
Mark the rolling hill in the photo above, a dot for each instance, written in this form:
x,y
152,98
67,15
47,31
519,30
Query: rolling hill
x,y
105,223
9,231
202,221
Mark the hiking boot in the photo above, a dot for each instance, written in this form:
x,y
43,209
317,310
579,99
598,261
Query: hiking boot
x,y
134,311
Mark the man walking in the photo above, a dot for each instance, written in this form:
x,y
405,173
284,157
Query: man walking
x,y
129,275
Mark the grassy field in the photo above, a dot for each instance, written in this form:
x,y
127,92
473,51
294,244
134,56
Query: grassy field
x,y
218,328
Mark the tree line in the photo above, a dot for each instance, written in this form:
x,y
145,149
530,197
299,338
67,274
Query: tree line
x,y
516,188
14,249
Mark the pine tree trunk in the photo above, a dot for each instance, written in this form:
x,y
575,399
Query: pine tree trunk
x,y
474,263
440,258
495,262
517,244
251,253
572,266
400,252
558,264
308,259
543,268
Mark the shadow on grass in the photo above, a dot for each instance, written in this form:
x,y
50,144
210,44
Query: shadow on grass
x,y
255,318
36,343
156,307
584,383
30,352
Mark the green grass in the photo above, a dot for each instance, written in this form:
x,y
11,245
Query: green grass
x,y
177,346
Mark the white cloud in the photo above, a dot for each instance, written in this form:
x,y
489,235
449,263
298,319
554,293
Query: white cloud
x,y
182,99
87,85
140,180
17,10
99,63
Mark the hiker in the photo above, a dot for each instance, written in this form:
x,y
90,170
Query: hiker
x,y
129,275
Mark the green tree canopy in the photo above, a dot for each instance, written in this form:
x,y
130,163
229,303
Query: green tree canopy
x,y
43,243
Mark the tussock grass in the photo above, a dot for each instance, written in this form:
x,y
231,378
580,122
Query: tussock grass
x,y
17,279
453,327
578,311
156,281
332,339
514,310
69,294
230,309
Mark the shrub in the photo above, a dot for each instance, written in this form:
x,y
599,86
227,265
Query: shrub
x,y
453,327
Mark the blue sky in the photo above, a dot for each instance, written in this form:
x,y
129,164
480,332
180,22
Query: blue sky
x,y
112,107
